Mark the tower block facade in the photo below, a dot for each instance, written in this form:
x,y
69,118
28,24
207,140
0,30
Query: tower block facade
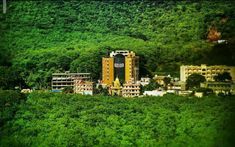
x,y
120,64
107,70
131,67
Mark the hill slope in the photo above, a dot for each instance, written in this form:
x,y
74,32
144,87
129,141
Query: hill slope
x,y
42,37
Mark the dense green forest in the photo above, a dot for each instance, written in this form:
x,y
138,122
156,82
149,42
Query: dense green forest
x,y
39,37
42,37
47,119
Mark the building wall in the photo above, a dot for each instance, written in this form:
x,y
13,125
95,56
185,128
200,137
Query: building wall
x,y
136,68
131,67
131,90
63,80
83,87
207,71
107,70
218,87
128,68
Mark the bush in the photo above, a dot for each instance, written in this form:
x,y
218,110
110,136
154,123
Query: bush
x,y
9,104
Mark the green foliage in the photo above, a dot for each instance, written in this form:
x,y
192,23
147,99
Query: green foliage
x,y
9,102
10,78
42,37
194,80
153,85
50,119
68,90
167,80
225,76
101,91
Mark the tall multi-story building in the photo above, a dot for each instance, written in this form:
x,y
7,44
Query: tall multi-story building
x,y
122,64
63,80
209,72
131,67
107,70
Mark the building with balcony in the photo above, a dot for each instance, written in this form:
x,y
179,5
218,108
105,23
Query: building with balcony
x,y
131,89
83,87
63,80
220,87
209,72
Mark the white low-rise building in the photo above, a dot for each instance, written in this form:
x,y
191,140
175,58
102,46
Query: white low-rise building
x,y
154,93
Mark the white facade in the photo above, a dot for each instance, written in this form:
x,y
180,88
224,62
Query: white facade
x,y
123,52
154,93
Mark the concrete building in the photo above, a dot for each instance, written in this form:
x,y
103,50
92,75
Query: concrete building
x,y
199,94
220,87
63,80
185,92
107,70
131,89
83,87
179,85
122,64
207,71
154,93
131,67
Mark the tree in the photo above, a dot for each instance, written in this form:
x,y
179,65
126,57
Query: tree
x,y
68,90
225,76
151,86
167,81
100,90
10,78
194,80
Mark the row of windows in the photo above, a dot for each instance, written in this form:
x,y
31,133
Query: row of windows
x,y
62,84
213,70
87,86
131,87
219,85
215,73
134,94
130,91
87,89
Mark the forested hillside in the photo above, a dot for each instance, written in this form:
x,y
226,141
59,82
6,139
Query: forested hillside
x,y
48,119
42,37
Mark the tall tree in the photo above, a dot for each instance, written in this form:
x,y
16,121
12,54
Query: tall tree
x,y
167,80
225,76
194,80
